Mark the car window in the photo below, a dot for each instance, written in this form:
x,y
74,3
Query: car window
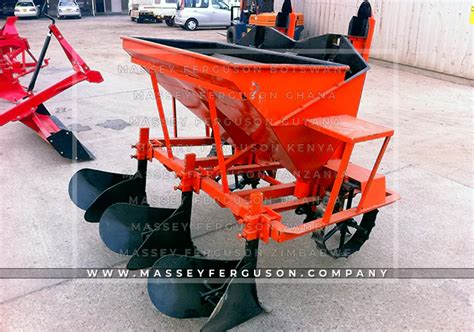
x,y
196,3
219,4
67,3
25,4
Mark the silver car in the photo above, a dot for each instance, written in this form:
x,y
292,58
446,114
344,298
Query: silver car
x,y
68,8
192,14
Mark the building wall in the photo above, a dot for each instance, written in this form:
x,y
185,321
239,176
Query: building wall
x,y
111,6
428,34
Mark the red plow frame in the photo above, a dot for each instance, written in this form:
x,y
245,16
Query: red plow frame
x,y
16,60
30,109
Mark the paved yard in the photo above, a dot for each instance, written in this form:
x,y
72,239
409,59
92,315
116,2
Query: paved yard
x,y
429,163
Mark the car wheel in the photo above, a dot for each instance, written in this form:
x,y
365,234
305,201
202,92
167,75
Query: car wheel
x,y
170,22
139,20
191,24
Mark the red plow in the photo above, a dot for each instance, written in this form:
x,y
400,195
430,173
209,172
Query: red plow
x,y
244,95
16,61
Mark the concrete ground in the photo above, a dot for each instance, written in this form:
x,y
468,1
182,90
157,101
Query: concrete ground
x,y
429,163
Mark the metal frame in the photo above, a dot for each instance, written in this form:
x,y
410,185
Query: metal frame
x,y
16,60
263,221
26,111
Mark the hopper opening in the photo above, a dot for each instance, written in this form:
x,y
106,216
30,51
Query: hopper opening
x,y
239,52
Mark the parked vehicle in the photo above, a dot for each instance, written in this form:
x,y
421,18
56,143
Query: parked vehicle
x,y
233,3
192,14
27,9
152,11
68,8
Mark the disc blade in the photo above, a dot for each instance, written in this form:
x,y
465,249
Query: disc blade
x,y
87,184
179,299
238,304
130,191
172,236
122,226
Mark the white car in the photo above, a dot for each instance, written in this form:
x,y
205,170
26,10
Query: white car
x,y
202,13
68,8
27,9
